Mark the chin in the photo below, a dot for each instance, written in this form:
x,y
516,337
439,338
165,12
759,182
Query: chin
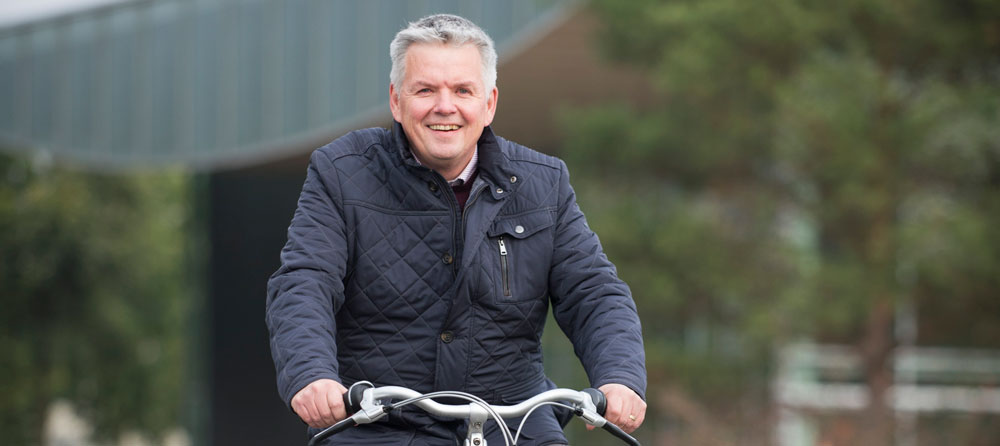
x,y
446,153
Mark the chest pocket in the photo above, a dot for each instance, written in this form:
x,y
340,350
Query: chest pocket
x,y
521,248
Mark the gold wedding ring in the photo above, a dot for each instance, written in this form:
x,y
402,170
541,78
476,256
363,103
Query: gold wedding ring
x,y
631,417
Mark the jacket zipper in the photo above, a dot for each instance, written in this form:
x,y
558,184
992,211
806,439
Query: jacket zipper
x,y
503,267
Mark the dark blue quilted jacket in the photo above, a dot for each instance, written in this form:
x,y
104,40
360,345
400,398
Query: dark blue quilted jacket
x,y
385,279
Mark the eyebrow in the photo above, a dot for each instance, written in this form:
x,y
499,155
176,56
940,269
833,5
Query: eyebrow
x,y
464,84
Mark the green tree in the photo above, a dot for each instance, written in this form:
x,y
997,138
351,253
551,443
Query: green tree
x,y
802,169
95,298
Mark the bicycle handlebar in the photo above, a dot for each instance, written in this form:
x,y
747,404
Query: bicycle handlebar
x,y
366,403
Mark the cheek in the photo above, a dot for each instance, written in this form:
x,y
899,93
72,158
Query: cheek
x,y
417,110
475,113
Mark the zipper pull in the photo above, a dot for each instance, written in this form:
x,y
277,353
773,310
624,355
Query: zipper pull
x,y
503,267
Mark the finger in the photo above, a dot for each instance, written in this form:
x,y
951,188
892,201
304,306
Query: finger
x,y
325,415
315,416
639,409
641,416
304,408
633,414
335,400
630,421
300,410
615,410
636,424
311,415
624,419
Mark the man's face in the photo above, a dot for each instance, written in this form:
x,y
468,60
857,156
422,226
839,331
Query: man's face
x,y
443,104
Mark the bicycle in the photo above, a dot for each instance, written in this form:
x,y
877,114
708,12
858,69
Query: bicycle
x,y
369,404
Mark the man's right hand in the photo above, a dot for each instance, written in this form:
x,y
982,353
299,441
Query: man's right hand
x,y
321,403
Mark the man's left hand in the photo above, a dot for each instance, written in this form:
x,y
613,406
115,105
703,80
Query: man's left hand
x,y
625,408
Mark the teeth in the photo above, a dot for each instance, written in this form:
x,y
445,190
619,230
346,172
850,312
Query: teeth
x,y
443,127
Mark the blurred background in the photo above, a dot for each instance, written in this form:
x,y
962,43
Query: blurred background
x,y
804,197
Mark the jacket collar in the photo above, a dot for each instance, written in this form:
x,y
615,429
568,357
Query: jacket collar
x,y
493,165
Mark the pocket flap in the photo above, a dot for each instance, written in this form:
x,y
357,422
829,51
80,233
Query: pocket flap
x,y
523,225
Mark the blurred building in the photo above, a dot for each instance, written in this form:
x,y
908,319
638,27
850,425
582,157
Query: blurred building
x,y
240,92
818,388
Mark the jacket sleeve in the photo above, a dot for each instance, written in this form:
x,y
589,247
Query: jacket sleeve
x,y
591,304
304,294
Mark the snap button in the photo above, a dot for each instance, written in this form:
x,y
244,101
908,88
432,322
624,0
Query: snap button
x,y
447,259
513,179
447,337
499,190
518,229
432,186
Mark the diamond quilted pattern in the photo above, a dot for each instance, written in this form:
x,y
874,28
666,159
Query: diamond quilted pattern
x,y
398,294
402,287
400,284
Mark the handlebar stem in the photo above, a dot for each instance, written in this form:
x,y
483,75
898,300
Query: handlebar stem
x,y
477,419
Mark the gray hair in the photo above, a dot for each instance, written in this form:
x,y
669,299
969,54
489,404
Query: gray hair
x,y
447,29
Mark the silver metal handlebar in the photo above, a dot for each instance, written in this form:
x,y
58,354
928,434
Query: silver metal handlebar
x,y
432,407
376,402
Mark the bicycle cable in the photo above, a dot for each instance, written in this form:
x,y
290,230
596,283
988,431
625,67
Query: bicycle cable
x,y
508,437
536,406
504,429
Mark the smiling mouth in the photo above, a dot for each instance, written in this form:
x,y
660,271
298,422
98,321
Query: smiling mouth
x,y
444,127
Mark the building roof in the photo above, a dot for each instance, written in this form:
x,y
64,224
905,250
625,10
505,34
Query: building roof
x,y
211,83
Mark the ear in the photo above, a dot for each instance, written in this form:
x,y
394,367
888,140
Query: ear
x,y
491,105
394,103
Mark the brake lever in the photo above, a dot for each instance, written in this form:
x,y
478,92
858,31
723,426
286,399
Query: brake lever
x,y
336,428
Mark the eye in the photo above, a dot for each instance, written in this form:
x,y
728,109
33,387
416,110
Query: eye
x,y
464,90
424,90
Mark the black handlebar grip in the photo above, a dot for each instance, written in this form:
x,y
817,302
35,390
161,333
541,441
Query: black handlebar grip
x,y
341,425
352,398
599,400
618,432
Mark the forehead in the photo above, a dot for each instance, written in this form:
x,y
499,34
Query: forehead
x,y
443,62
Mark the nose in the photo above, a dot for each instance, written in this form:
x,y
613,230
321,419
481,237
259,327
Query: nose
x,y
445,104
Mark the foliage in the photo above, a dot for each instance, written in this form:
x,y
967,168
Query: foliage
x,y
803,168
94,297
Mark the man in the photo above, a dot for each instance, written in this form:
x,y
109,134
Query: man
x,y
426,256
